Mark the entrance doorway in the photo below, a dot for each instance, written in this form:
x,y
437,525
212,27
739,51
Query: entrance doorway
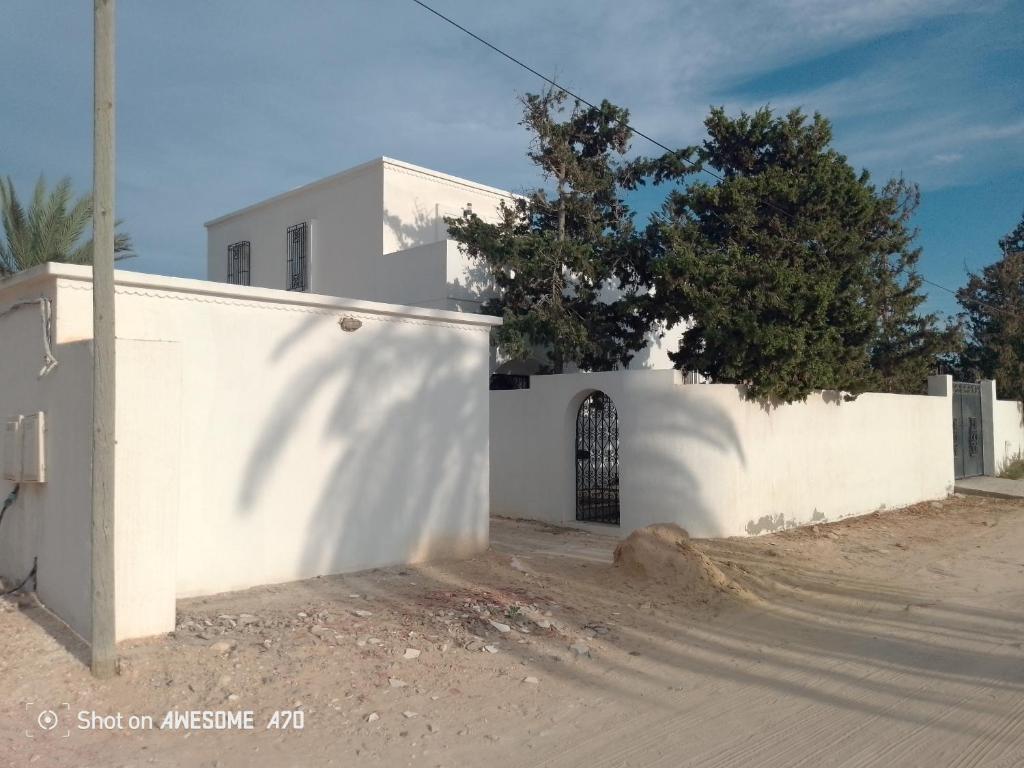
x,y
968,453
597,460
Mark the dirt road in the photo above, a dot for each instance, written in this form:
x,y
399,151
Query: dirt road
x,y
895,639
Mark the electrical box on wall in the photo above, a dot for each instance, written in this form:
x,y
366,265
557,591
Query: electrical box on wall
x,y
25,449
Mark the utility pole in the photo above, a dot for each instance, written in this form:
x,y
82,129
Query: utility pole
x,y
104,652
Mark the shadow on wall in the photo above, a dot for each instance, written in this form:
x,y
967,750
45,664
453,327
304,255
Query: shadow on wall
x,y
408,480
662,443
425,227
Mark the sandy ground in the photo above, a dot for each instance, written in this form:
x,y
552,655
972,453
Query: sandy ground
x,y
893,639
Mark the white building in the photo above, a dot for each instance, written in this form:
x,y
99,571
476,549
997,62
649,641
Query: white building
x,y
373,232
262,436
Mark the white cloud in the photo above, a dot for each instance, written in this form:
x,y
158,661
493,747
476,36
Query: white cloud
x,y
229,102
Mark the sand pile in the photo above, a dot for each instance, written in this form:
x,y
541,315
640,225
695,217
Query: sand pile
x,y
664,553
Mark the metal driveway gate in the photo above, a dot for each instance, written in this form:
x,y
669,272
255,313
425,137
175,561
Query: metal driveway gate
x,y
597,460
968,459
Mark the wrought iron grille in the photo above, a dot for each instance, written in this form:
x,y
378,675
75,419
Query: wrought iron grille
x,y
298,257
238,263
597,460
968,445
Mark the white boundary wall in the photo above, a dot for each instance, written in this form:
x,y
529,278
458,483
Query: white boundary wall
x,y
257,441
703,457
1007,432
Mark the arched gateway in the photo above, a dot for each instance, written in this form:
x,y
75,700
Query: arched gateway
x,y
597,460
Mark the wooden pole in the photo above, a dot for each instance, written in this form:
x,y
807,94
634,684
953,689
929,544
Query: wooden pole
x,y
104,653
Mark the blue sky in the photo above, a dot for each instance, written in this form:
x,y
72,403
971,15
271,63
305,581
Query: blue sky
x,y
223,103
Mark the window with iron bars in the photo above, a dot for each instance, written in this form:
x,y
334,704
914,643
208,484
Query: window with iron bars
x,y
298,257
238,263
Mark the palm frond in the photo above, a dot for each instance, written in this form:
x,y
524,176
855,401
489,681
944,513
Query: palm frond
x,y
51,229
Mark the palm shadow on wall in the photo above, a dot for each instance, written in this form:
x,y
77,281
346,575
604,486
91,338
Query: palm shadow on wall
x,y
423,444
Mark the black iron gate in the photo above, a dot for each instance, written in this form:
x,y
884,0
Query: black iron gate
x,y
597,460
968,454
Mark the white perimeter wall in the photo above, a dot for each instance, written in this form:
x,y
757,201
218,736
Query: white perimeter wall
x,y
702,457
258,442
1007,432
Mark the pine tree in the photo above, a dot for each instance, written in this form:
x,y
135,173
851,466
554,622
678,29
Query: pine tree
x,y
993,304
792,273
567,261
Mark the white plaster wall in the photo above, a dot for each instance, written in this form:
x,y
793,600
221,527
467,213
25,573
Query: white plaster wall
x,y
416,201
257,441
50,521
701,456
361,217
346,209
306,450
1008,432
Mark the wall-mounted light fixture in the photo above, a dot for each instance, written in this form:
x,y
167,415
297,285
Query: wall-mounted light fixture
x,y
349,324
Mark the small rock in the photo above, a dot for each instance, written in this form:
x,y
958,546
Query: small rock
x,y
222,646
580,648
474,645
247,618
373,717
394,682
500,627
409,715
516,565
432,728
361,613
491,648
543,623
531,680
233,697
411,653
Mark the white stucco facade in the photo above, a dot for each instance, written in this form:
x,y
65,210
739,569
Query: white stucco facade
x,y
718,465
1007,433
364,223
258,441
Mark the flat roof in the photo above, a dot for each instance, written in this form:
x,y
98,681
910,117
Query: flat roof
x,y
355,171
54,270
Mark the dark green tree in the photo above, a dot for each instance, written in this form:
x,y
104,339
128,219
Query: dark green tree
x,y
908,343
792,272
993,307
567,260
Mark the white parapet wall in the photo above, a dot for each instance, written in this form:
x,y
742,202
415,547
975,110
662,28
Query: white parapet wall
x,y
1007,433
718,465
258,440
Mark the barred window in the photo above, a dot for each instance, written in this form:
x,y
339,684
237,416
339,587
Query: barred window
x,y
297,243
238,263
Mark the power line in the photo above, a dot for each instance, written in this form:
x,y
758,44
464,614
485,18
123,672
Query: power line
x,y
576,96
641,134
961,299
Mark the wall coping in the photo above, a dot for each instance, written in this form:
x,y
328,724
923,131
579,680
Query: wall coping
x,y
50,272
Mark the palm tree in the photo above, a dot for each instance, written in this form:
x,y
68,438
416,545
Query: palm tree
x,y
50,230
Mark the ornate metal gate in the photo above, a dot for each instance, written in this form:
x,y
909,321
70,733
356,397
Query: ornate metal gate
x,y
597,460
968,458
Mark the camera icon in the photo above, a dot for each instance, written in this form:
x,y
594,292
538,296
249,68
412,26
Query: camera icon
x,y
47,720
